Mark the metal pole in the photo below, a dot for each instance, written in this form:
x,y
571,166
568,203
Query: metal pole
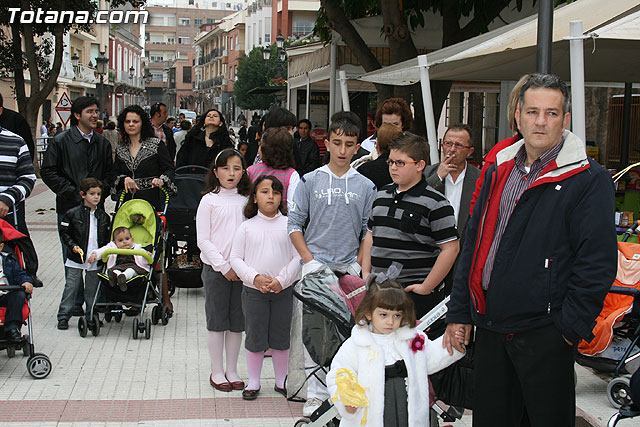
x,y
578,123
545,36
101,91
428,109
307,106
626,124
332,79
344,91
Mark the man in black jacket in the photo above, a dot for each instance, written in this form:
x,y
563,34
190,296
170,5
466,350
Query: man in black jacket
x,y
74,155
539,256
13,121
163,132
307,154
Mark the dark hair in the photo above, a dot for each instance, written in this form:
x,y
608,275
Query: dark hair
x,y
120,230
412,145
547,81
386,133
146,131
388,295
111,125
185,125
395,106
171,119
212,185
79,104
88,183
345,123
155,108
461,127
251,209
241,143
307,121
222,130
1,104
279,117
277,148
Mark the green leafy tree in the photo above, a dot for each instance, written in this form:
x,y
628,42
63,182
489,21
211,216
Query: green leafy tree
x,y
399,18
253,73
39,48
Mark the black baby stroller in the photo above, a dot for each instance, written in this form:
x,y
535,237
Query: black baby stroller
x,y
183,264
326,322
147,229
20,246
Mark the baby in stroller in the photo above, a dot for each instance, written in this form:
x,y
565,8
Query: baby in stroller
x,y
122,268
13,275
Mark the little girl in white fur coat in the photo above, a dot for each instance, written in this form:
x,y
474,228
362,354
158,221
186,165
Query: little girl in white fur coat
x,y
379,341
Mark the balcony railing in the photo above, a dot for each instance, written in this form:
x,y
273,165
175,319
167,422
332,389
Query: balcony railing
x,y
84,73
122,76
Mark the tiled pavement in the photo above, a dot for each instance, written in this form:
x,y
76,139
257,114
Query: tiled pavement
x,y
113,380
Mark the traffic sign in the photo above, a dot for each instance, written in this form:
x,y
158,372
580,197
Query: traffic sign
x,y
63,108
119,94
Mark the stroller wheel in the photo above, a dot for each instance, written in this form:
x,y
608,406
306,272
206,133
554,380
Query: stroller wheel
x,y
165,315
11,351
118,317
95,327
39,365
147,328
82,326
302,422
135,328
155,314
108,316
618,391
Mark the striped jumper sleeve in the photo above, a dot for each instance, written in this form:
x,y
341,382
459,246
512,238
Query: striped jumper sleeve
x,y
17,176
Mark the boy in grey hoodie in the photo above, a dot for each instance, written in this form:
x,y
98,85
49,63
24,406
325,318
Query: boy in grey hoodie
x,y
336,201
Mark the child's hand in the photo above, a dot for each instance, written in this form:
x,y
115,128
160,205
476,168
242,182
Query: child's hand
x,y
92,258
231,276
350,409
262,283
76,249
275,286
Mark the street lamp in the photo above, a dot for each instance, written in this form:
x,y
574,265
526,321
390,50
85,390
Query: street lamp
x,y
75,59
266,52
101,67
131,72
281,56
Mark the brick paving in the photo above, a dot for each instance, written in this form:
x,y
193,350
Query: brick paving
x,y
113,380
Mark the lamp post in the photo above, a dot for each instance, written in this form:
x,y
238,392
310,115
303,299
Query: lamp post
x,y
147,80
75,60
281,57
101,67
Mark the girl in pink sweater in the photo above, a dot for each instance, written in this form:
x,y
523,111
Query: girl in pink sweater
x,y
219,215
267,263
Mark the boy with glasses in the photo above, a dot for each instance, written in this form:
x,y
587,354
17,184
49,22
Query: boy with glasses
x,y
413,224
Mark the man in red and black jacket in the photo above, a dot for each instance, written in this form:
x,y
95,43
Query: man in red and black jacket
x,y
539,256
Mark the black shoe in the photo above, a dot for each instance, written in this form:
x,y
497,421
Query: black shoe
x,y
250,394
282,391
63,324
13,335
77,310
122,282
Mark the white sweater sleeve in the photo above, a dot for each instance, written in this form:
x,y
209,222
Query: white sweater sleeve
x,y
294,180
209,250
237,258
346,357
291,271
438,357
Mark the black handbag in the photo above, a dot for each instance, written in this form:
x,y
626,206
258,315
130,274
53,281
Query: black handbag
x,y
454,385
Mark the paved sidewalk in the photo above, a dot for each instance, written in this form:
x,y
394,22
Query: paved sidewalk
x,y
113,380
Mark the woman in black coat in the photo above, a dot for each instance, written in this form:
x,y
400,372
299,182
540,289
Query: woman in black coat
x,y
204,141
142,161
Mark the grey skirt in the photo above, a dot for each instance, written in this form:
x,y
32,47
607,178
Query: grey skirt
x,y
222,302
268,319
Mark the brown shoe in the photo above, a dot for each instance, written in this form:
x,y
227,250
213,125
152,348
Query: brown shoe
x,y
225,386
237,385
250,394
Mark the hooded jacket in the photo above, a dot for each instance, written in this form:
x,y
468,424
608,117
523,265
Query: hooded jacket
x,y
337,210
557,257
365,358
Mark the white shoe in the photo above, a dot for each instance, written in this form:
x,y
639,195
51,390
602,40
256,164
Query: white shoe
x,y
310,406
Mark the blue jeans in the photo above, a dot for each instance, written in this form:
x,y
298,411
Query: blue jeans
x,y
73,286
80,294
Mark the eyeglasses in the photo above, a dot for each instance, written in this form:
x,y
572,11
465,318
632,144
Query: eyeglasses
x,y
458,146
399,163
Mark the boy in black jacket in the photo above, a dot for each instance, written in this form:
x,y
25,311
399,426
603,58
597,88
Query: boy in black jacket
x,y
12,274
83,229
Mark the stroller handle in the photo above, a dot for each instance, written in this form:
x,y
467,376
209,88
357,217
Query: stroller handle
x,y
164,190
117,251
630,231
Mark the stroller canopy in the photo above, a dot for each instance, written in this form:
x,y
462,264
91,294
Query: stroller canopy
x,y
140,218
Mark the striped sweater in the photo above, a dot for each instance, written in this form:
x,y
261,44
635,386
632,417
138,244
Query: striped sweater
x,y
17,176
288,177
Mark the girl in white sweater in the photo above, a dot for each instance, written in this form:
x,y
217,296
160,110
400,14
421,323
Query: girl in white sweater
x,y
268,264
219,215
391,360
